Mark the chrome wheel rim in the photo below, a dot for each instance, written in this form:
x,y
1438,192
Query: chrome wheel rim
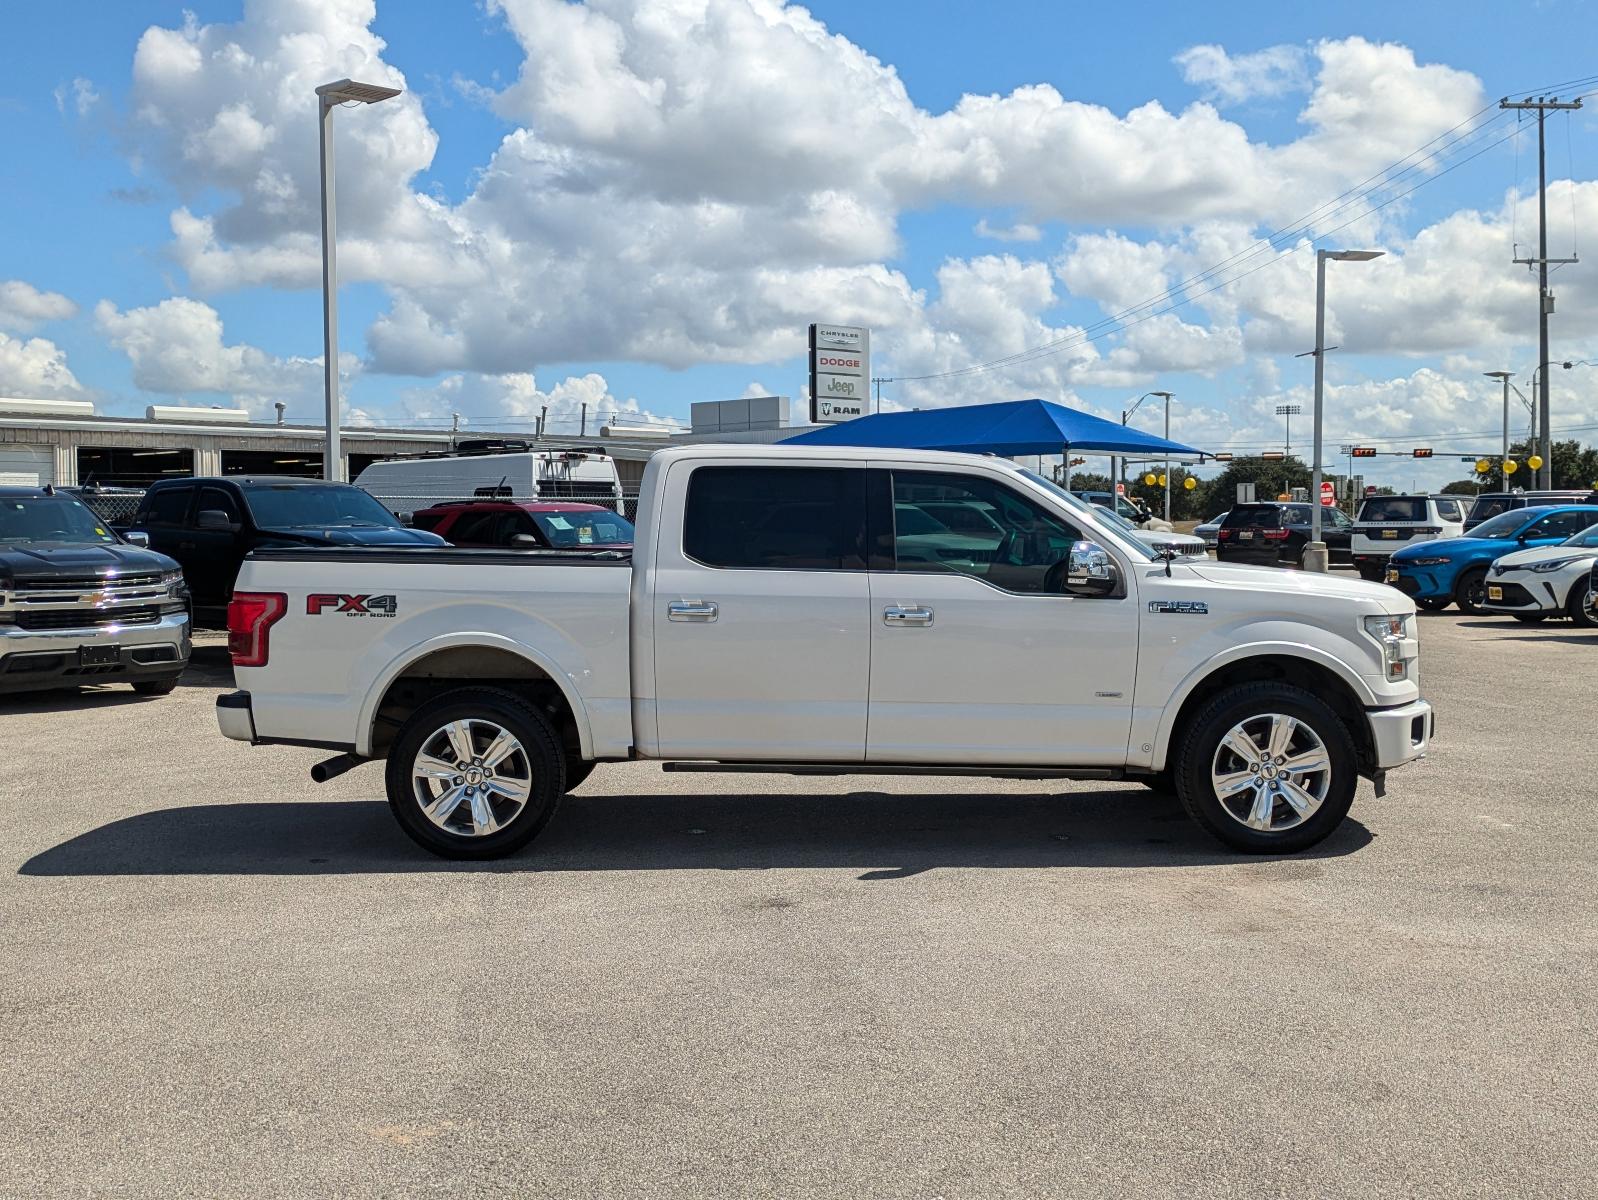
x,y
471,778
1271,772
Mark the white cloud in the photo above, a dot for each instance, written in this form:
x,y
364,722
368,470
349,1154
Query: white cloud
x,y
515,399
79,95
1018,232
24,307
36,368
1236,78
177,348
675,192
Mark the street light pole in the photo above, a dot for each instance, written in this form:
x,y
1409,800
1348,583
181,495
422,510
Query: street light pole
x,y
1126,415
1167,474
1315,558
328,97
1504,377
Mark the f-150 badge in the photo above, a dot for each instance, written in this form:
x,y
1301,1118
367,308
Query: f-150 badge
x,y
1178,606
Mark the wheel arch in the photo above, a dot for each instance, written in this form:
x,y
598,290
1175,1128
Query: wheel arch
x,y
1299,666
465,660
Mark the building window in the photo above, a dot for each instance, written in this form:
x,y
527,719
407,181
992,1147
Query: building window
x,y
127,466
303,464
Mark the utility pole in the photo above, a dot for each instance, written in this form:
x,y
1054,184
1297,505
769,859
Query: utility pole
x,y
879,380
1545,301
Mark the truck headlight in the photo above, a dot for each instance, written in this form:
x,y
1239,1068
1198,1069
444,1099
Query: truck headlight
x,y
1391,631
173,580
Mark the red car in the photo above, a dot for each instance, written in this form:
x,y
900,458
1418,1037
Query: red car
x,y
527,524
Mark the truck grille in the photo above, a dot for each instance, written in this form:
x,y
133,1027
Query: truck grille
x,y
87,583
84,618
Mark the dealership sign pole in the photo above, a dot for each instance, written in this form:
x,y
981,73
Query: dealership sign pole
x,y
840,373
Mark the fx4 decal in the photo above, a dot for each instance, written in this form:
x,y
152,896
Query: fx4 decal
x,y
318,603
1178,606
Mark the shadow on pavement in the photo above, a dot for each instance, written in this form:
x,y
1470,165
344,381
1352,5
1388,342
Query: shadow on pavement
x,y
209,667
886,836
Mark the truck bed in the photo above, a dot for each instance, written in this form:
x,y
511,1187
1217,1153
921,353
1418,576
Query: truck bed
x,y
356,619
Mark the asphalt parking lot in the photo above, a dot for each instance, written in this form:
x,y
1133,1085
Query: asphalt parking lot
x,y
223,980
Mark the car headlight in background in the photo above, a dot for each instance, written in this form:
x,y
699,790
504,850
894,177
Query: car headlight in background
x,y
1429,562
1553,564
1391,631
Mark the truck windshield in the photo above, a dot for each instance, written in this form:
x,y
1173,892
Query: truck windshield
x,y
313,506
1092,511
57,519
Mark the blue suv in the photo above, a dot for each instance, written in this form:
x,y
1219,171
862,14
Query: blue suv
x,y
1454,570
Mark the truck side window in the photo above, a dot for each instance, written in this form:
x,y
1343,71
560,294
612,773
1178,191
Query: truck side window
x,y
776,518
1014,549
169,507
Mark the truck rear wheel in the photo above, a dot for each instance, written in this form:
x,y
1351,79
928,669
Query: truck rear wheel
x,y
1267,768
475,774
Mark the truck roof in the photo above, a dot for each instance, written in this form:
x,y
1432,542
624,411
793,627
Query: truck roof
x,y
834,453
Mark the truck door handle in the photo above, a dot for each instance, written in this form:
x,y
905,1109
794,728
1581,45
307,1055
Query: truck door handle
x,y
691,610
913,615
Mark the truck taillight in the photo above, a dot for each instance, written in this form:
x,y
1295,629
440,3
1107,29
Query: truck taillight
x,y
250,617
1222,535
1275,535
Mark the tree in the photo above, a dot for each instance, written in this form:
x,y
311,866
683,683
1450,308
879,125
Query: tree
x,y
1463,487
1270,479
1574,467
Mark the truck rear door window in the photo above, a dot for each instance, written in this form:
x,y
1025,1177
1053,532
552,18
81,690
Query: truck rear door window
x,y
169,507
777,518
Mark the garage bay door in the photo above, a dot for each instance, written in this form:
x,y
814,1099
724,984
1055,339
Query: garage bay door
x,y
26,466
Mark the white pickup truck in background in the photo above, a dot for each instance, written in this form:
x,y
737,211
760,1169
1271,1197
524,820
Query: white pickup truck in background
x,y
787,609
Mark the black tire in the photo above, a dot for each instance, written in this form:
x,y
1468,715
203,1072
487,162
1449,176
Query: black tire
x,y
539,746
1198,751
1536,618
1577,609
1470,590
156,687
1371,574
1432,604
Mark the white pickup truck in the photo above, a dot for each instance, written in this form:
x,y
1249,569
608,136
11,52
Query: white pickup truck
x,y
774,615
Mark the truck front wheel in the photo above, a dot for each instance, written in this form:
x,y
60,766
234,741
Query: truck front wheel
x,y
475,774
1267,768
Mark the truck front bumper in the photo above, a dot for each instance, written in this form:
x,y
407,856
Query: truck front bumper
x,y
35,660
1400,735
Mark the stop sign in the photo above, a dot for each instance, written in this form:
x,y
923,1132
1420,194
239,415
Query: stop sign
x,y
1328,492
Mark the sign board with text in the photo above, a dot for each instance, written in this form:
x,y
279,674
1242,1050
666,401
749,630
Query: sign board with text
x,y
840,373
1328,492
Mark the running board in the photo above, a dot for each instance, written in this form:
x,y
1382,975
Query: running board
x,y
780,768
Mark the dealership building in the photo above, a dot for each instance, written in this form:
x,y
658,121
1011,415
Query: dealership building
x,y
66,442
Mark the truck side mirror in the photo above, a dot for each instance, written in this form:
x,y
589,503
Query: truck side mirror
x,y
214,518
1088,571
136,538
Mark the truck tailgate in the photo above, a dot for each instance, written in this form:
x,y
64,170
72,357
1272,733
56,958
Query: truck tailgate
x,y
355,620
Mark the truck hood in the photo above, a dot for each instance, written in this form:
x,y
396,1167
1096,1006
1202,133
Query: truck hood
x,y
1305,583
1537,554
344,535
45,562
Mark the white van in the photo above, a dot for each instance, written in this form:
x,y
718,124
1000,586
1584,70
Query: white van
x,y
1389,523
492,468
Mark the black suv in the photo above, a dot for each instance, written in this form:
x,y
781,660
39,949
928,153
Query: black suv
x,y
1274,532
80,605
210,524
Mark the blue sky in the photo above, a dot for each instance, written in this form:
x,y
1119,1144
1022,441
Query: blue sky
x,y
620,279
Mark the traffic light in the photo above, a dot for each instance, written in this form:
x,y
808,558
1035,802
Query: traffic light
x,y
1422,452
1362,452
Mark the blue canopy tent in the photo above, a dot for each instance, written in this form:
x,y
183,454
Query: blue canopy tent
x,y
1008,428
